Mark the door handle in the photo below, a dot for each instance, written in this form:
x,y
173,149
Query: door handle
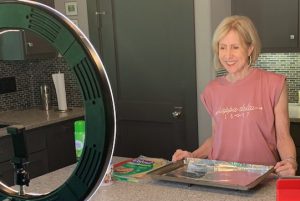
x,y
100,12
177,113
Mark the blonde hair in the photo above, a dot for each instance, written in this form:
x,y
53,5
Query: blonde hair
x,y
245,29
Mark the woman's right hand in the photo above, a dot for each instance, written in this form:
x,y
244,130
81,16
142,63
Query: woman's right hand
x,y
180,154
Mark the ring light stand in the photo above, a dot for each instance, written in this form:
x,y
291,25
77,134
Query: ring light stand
x,y
85,63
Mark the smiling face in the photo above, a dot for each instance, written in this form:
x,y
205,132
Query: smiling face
x,y
233,53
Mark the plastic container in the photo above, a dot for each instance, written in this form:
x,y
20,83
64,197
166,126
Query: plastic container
x,y
79,137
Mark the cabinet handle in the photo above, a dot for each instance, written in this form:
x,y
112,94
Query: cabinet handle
x,y
292,37
177,113
30,44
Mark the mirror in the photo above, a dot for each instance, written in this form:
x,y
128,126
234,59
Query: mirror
x,y
54,147
99,113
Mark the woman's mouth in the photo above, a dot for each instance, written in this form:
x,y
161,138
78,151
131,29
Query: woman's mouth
x,y
230,63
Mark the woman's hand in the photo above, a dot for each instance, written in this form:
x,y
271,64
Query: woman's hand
x,y
180,154
287,167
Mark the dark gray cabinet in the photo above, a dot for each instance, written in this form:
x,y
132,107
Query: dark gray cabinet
x,y
60,144
277,22
38,164
50,147
6,154
12,45
35,46
26,44
295,132
7,173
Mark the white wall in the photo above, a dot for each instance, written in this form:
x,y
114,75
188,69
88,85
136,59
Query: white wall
x,y
208,14
81,17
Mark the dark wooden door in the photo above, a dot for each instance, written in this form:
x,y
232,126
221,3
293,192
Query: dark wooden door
x,y
148,49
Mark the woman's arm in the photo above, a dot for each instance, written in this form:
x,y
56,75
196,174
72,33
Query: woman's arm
x,y
285,144
202,152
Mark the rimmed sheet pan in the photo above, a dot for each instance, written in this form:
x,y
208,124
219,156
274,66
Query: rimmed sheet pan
x,y
232,175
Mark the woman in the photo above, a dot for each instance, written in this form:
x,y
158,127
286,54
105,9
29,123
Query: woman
x,y
248,105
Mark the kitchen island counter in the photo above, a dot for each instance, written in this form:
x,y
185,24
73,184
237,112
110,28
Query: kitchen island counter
x,y
152,190
35,117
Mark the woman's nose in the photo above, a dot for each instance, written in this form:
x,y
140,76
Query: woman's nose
x,y
228,53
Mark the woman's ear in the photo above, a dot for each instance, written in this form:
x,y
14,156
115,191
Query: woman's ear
x,y
250,50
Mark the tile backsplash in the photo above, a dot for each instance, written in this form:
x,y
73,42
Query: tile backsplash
x,y
287,64
29,76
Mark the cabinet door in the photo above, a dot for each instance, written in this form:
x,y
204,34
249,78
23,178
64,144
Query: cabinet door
x,y
6,154
38,161
37,152
277,22
6,148
36,46
36,140
7,173
38,164
12,45
295,132
60,144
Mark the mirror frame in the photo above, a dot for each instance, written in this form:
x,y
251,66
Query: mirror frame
x,y
100,117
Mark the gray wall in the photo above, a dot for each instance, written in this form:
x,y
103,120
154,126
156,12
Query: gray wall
x,y
208,14
81,17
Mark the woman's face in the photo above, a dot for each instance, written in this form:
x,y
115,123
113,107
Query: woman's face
x,y
233,53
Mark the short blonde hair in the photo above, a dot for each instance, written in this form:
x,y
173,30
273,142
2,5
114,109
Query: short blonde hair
x,y
245,29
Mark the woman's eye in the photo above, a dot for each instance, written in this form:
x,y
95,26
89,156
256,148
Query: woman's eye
x,y
235,47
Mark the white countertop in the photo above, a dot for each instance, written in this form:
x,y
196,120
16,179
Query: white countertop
x,y
152,190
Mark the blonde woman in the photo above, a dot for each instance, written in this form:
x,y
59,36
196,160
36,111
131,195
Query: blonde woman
x,y
248,105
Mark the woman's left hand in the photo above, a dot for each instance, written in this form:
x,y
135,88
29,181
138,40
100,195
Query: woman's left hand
x,y
287,167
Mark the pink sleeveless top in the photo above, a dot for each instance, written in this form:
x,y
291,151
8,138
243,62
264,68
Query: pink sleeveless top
x,y
244,117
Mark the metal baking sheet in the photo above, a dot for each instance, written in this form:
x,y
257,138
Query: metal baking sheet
x,y
206,172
